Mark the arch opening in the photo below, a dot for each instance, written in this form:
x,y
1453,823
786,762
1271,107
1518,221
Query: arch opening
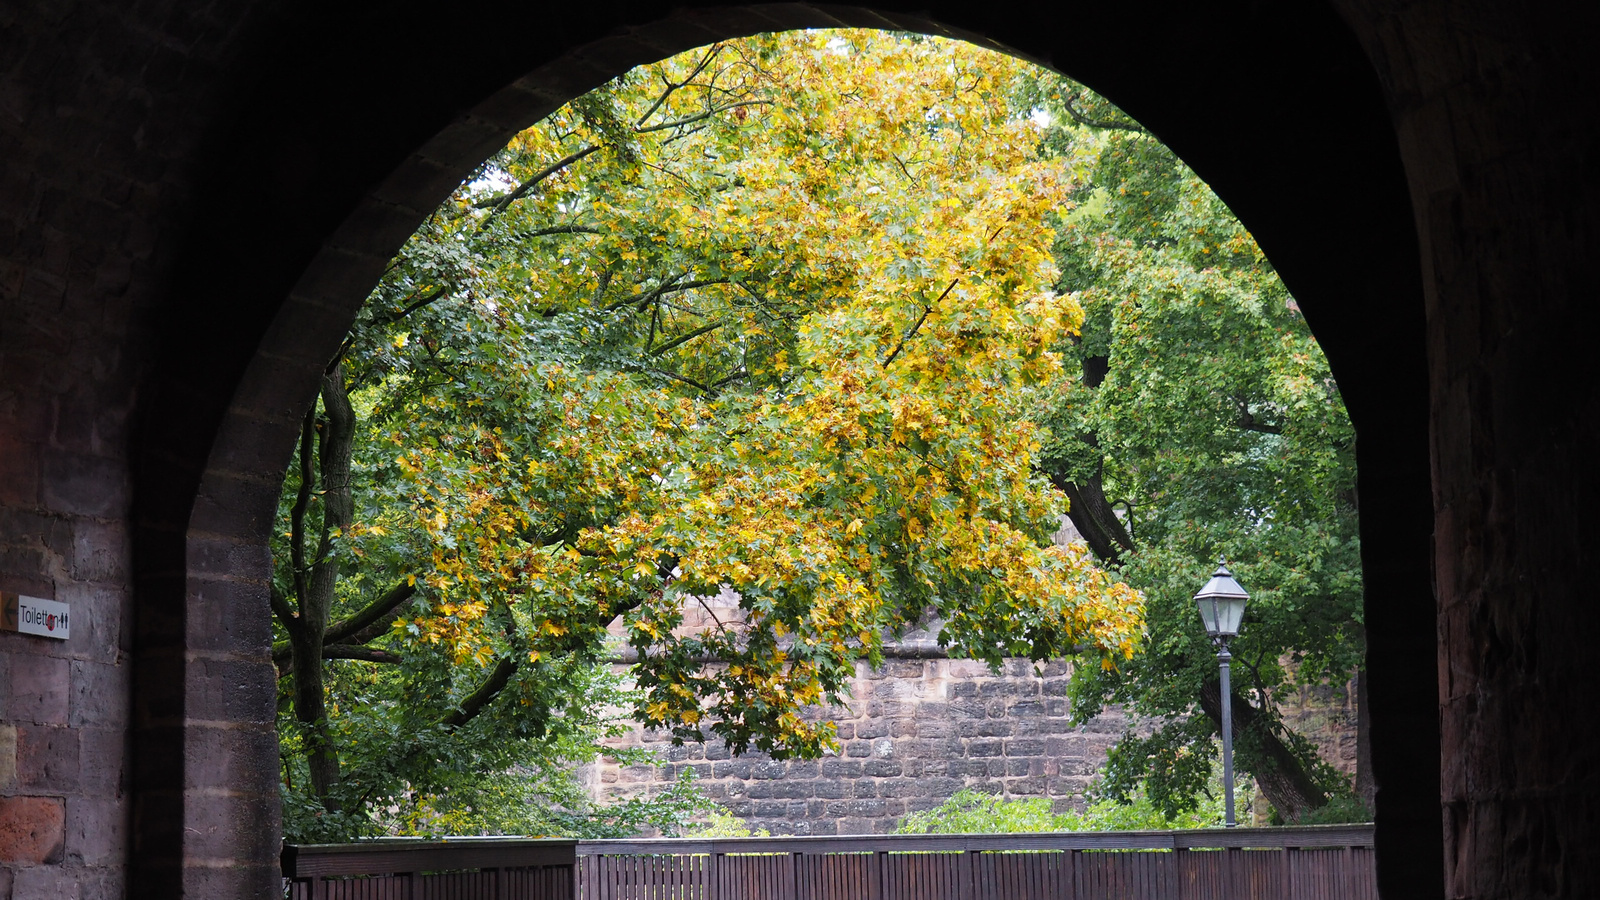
x,y
265,409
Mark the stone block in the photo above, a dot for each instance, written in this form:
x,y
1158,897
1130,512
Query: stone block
x,y
85,485
102,761
47,758
832,789
224,616
881,768
1027,709
872,728
96,831
1019,767
734,768
1025,747
99,695
8,756
767,770
868,808
32,830
858,749
969,709
231,690
863,789
39,690
234,880
841,768
232,827
898,788
978,749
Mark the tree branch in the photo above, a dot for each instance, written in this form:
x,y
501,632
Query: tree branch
x,y
686,338
559,229
478,700
302,503
349,630
1083,119
700,117
673,86
920,319
498,205
365,654
670,286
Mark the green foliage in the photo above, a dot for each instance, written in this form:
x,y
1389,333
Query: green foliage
x,y
721,823
976,812
1208,418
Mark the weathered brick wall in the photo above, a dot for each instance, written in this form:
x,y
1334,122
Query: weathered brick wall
x,y
914,733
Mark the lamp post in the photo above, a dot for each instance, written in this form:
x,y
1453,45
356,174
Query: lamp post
x,y
1221,604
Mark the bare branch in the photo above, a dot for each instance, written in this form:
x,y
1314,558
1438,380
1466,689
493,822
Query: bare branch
x,y
673,86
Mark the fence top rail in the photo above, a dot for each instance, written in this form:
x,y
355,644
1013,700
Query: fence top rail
x,y
1315,836
384,857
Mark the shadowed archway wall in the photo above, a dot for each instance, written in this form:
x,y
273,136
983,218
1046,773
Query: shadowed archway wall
x,y
194,198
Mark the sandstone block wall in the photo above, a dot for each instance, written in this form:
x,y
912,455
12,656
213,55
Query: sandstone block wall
x,y
914,733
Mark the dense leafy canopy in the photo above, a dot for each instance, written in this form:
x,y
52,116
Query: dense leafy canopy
x,y
771,315
1205,424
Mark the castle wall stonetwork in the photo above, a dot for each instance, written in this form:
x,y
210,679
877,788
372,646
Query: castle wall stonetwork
x,y
914,732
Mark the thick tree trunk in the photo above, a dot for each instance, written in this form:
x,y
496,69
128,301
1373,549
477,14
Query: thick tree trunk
x,y
1277,771
1092,514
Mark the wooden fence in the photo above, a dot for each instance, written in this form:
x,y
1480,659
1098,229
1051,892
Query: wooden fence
x,y
1323,863
460,869
1319,863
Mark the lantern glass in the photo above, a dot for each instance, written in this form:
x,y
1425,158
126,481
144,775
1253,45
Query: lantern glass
x,y
1221,603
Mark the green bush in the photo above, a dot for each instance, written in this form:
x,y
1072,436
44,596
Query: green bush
x,y
976,812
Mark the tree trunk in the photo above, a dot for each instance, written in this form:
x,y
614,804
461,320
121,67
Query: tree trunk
x,y
1277,771
1366,787
316,592
1091,513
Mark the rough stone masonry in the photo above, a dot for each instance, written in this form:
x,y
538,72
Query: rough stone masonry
x,y
918,730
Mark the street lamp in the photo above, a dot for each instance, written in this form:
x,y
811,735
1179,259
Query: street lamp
x,y
1221,604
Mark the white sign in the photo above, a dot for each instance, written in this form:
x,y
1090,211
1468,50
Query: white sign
x,y
34,615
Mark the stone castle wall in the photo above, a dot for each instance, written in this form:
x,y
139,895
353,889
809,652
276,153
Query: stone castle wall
x,y
914,733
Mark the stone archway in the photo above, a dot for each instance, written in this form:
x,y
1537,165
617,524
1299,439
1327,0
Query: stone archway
x,y
327,165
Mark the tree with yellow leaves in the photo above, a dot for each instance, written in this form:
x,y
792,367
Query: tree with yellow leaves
x,y
770,315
